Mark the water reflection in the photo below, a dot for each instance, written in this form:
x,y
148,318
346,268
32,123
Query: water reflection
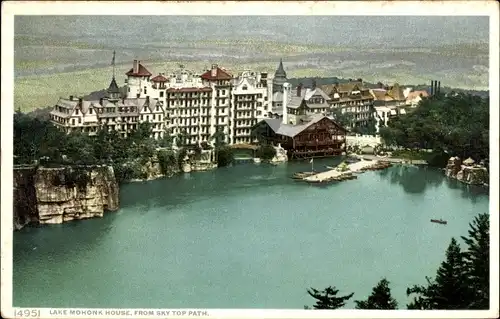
x,y
471,192
413,180
38,240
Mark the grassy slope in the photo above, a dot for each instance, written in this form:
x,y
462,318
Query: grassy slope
x,y
36,91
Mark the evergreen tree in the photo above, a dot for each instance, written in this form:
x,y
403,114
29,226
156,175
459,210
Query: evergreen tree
x,y
477,259
327,299
449,289
379,299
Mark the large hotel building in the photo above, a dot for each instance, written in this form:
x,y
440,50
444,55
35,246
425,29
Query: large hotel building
x,y
196,105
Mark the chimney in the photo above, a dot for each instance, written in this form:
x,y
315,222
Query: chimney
x,y
286,89
71,97
100,101
135,67
336,84
147,99
313,85
432,87
439,87
80,101
299,89
213,72
360,80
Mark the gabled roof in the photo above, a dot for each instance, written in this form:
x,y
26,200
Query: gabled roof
x,y
293,130
307,94
342,87
414,94
396,92
159,78
142,71
381,95
220,74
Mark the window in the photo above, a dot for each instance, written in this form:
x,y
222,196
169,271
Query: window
x,y
161,93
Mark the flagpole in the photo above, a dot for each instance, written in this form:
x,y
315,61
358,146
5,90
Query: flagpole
x,y
114,53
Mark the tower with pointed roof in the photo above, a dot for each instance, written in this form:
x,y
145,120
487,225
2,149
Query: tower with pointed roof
x,y
279,78
113,92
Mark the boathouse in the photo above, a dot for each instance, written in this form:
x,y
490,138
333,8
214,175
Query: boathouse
x,y
301,131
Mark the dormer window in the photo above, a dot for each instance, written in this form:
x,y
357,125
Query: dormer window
x,y
244,88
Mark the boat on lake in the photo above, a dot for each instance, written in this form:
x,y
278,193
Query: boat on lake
x,y
439,221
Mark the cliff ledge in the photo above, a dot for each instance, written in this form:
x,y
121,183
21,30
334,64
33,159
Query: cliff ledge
x,y
56,195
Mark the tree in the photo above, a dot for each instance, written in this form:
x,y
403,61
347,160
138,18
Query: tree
x,y
266,152
449,290
143,132
167,140
327,298
219,138
457,125
477,260
181,139
225,155
345,119
379,299
259,134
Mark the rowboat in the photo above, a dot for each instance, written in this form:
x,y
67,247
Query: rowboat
x,y
439,221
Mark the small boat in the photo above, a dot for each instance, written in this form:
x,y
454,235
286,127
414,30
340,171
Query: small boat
x,y
256,160
439,221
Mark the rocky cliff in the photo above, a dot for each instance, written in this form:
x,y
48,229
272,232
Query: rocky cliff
x,y
56,195
467,171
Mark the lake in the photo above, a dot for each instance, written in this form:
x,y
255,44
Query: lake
x,y
247,237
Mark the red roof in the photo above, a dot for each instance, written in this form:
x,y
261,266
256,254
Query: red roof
x,y
219,75
159,78
142,71
183,90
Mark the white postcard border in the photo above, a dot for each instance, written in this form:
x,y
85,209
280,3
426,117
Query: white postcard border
x,y
469,8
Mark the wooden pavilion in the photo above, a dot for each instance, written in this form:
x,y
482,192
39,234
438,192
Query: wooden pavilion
x,y
315,135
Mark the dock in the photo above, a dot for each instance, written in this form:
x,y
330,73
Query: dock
x,y
394,160
352,169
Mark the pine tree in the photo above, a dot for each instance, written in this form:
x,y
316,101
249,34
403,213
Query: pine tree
x,y
477,259
449,290
379,299
327,299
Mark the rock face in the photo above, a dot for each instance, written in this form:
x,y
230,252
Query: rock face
x,y
281,155
57,195
467,172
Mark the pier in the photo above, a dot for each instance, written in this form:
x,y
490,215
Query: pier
x,y
335,175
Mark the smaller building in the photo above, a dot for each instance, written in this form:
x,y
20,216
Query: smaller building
x,y
302,133
388,96
414,97
351,97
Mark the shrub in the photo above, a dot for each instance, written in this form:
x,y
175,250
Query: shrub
x,y
266,152
225,156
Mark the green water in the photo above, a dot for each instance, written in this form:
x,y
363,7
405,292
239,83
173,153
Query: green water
x,y
246,237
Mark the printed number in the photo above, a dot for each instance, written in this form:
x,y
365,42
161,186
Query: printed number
x,y
26,313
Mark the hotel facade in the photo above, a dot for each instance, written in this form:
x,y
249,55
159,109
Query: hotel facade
x,y
183,102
